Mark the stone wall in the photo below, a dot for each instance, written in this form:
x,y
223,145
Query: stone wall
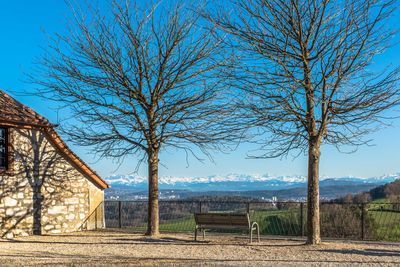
x,y
44,193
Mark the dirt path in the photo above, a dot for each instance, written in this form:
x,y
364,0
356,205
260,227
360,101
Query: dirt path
x,y
118,248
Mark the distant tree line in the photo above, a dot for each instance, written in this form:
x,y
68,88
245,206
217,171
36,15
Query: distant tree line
x,y
389,192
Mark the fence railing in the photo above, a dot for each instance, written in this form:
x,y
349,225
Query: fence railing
x,y
95,220
349,221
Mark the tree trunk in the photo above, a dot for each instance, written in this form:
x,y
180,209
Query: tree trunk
x,y
313,218
153,213
37,211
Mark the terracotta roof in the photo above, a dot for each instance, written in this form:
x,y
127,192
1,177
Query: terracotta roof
x,y
12,110
14,113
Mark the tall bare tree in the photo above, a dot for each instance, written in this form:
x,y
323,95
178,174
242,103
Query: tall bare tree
x,y
137,81
306,68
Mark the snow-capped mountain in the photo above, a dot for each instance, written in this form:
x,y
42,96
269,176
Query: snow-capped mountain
x,y
240,182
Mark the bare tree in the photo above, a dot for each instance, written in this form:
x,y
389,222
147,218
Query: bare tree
x,y
306,70
137,81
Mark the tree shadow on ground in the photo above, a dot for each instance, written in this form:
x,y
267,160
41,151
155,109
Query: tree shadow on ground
x,y
169,240
365,252
143,241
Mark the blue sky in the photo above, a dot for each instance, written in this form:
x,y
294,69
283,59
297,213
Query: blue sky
x,y
25,29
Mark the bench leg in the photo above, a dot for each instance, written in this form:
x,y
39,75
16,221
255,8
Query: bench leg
x,y
204,233
195,234
254,226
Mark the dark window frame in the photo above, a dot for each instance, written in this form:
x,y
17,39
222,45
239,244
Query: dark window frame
x,y
7,149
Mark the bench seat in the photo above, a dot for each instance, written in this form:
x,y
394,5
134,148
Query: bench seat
x,y
225,221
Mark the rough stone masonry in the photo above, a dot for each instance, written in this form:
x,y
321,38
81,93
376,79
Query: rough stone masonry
x,y
43,192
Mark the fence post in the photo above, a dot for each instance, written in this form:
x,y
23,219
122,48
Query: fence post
x,y
248,207
200,204
119,214
363,217
302,218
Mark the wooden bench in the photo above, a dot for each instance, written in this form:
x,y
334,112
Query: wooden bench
x,y
225,221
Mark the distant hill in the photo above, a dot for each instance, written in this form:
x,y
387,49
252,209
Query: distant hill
x,y
389,192
243,186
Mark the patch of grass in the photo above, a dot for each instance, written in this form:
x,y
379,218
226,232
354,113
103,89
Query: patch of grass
x,y
272,222
185,224
278,222
385,225
379,201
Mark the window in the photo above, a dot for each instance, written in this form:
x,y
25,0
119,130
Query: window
x,y
3,148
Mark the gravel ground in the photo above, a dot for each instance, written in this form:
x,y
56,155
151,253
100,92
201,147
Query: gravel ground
x,y
109,248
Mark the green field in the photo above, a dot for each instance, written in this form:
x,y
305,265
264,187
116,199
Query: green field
x,y
383,225
386,225
276,222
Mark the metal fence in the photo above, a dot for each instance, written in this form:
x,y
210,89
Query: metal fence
x,y
373,221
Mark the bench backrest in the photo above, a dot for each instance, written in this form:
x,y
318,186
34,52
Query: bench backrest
x,y
223,219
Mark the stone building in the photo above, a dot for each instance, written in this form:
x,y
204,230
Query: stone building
x,y
44,187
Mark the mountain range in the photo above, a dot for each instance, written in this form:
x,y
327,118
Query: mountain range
x,y
241,182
